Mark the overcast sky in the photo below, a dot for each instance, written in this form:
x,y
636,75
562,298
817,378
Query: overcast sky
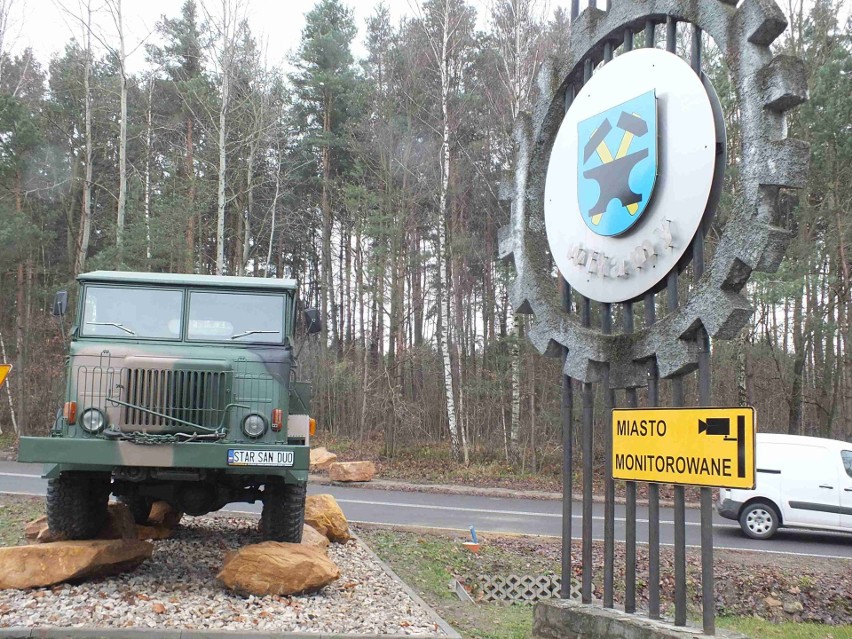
x,y
42,25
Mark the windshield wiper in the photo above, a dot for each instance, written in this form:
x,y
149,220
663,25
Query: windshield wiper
x,y
244,333
116,324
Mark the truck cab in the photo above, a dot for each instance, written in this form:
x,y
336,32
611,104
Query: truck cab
x,y
180,388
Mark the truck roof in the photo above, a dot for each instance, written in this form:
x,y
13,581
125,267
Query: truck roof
x,y
187,279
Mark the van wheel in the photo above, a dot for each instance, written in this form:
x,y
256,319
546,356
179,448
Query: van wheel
x,y
77,503
759,520
283,516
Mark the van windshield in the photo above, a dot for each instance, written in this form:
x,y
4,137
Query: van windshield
x,y
148,313
236,317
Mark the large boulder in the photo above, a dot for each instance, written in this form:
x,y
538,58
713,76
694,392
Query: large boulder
x,y
312,537
321,458
164,514
323,513
277,568
47,564
153,532
119,524
352,471
38,530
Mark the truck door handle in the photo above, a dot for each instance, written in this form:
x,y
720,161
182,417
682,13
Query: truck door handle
x,y
825,486
848,490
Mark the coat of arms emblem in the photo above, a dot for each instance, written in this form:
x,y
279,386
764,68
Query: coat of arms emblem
x,y
617,164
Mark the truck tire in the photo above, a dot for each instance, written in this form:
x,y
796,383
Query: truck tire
x,y
77,503
283,516
139,506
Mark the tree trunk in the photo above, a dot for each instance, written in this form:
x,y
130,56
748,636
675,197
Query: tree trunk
x,y
86,212
122,139
223,160
794,421
189,168
147,202
329,304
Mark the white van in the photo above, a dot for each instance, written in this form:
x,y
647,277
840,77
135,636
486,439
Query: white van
x,y
803,482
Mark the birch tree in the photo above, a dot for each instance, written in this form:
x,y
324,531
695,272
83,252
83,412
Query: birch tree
x,y
518,34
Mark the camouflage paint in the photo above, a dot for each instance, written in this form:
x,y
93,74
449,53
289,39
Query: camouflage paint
x,y
162,387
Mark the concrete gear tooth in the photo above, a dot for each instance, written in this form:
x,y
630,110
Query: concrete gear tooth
x,y
761,21
591,20
546,79
506,188
784,83
727,313
505,243
679,357
783,163
773,252
542,339
580,368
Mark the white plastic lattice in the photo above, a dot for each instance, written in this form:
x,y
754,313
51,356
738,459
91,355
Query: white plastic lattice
x,y
523,588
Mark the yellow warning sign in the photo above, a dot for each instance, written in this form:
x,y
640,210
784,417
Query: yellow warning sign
x,y
695,446
4,372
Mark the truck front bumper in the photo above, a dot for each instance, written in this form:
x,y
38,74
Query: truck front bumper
x,y
101,454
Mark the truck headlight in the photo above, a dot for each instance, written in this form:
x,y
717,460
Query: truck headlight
x,y
92,420
254,425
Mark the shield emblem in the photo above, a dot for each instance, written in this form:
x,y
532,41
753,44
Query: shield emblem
x,y
617,164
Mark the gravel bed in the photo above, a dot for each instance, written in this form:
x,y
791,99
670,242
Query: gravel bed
x,y
177,588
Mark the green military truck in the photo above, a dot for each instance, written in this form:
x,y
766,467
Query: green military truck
x,y
181,388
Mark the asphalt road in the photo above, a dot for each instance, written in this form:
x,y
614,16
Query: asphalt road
x,y
504,515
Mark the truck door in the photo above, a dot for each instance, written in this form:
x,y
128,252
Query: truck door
x,y
846,489
810,488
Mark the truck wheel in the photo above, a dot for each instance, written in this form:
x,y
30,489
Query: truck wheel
x,y
283,516
759,520
139,505
77,503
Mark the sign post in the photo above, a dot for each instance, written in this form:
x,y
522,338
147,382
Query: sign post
x,y
692,446
4,372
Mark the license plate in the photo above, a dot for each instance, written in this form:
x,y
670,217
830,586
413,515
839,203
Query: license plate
x,y
260,457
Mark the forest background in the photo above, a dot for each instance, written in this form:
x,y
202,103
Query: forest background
x,y
376,184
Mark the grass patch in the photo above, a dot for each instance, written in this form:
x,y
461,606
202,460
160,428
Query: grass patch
x,y
15,512
428,562
762,629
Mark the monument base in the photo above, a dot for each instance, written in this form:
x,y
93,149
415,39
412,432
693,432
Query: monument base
x,y
566,619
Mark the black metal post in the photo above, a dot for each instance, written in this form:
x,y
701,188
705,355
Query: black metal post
x,y
679,497
609,482
632,401
567,441
653,488
649,33
588,434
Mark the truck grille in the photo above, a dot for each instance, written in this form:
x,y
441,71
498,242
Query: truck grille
x,y
198,397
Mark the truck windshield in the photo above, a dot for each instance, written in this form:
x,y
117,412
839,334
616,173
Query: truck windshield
x,y
236,317
153,313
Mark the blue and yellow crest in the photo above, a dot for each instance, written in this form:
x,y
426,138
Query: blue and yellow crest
x,y
617,164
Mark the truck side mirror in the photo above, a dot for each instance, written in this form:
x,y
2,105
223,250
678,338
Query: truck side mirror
x,y
313,323
60,303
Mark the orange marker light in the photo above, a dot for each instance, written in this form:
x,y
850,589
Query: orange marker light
x,y
277,419
69,412
313,426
